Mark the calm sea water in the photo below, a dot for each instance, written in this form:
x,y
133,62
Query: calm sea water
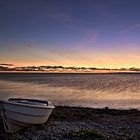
x,y
88,90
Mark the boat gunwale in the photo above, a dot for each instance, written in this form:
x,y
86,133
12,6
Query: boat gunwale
x,y
28,105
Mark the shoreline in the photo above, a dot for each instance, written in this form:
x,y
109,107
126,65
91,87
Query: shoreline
x,y
71,72
66,121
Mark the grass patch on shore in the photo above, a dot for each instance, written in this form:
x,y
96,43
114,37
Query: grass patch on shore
x,y
84,134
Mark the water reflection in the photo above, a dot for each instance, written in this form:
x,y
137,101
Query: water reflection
x,y
96,95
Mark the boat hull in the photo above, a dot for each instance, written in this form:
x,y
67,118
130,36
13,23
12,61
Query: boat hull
x,y
19,116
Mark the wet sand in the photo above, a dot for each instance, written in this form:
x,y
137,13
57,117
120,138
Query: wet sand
x,y
73,123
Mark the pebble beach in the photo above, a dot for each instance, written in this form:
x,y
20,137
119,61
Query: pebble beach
x,y
76,123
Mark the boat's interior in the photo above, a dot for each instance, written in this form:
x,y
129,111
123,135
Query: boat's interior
x,y
30,101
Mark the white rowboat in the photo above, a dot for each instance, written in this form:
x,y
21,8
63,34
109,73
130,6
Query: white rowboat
x,y
18,113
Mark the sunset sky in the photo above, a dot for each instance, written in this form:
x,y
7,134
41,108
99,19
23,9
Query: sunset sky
x,y
90,33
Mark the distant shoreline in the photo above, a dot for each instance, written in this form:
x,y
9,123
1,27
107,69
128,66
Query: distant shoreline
x,y
44,72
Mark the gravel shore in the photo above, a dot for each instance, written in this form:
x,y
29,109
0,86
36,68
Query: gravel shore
x,y
73,123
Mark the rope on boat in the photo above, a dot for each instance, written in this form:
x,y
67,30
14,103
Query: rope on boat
x,y
5,123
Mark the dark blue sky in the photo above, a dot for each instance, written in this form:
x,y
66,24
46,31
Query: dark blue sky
x,y
101,33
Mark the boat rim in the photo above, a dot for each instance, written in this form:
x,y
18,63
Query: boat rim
x,y
28,105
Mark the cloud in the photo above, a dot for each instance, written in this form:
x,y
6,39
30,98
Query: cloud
x,y
130,28
5,64
103,8
104,11
55,11
92,36
57,15
88,41
29,45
